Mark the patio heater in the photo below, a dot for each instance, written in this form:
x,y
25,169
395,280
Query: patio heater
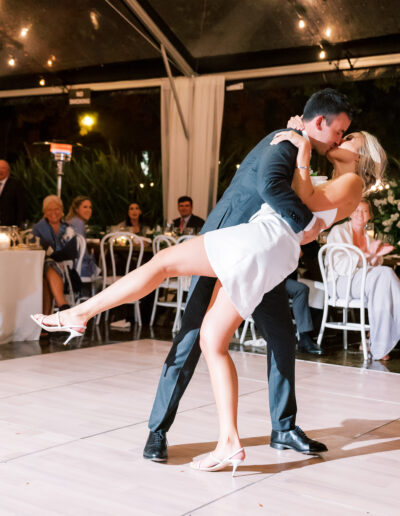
x,y
62,153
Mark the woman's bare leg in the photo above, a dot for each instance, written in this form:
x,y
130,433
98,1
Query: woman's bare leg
x,y
56,286
214,342
47,297
186,259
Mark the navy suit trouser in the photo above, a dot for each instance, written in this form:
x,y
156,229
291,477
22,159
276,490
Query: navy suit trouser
x,y
273,320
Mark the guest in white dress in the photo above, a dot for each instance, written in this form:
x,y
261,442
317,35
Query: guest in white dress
x,y
248,259
382,286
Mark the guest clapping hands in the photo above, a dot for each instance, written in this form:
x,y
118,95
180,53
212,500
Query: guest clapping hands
x,y
382,286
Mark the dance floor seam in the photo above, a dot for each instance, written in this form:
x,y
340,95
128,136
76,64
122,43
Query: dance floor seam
x,y
73,426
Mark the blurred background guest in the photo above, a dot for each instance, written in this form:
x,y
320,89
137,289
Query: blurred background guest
x,y
133,222
12,198
382,286
187,219
59,241
78,216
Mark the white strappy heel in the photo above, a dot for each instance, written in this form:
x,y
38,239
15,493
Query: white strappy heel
x,y
69,328
221,464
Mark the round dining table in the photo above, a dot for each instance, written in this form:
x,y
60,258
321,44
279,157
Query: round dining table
x,y
21,290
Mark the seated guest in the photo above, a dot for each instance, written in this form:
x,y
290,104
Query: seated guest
x,y
132,222
12,198
382,286
59,241
78,216
187,219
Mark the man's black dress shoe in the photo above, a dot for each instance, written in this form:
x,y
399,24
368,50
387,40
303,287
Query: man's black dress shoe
x,y
156,447
296,440
307,345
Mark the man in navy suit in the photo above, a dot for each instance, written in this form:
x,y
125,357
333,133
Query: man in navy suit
x,y
12,198
187,219
265,175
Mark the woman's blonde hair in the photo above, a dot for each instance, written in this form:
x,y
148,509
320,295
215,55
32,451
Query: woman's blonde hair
x,y
52,199
73,211
372,163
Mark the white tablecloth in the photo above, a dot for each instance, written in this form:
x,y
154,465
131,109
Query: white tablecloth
x,y
21,285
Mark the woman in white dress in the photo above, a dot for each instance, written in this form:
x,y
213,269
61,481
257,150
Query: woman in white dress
x,y
382,286
248,260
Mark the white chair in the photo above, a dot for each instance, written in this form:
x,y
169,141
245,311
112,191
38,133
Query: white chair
x,y
109,241
171,287
184,286
86,280
248,322
338,261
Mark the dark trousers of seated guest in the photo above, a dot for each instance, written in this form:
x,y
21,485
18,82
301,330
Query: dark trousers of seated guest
x,y
299,292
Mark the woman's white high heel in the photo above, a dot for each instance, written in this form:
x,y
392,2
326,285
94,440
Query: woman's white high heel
x,y
69,328
220,464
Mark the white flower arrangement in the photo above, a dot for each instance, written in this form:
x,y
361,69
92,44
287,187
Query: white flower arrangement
x,y
386,203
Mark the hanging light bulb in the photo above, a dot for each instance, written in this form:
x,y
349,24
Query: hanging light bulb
x,y
302,24
328,32
11,62
49,62
42,82
24,32
322,54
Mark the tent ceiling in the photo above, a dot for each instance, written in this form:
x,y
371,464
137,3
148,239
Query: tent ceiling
x,y
74,41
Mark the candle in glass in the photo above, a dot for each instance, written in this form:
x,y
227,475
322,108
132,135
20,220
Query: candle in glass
x,y
4,241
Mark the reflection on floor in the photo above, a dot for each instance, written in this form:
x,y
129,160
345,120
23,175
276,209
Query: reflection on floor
x,y
103,334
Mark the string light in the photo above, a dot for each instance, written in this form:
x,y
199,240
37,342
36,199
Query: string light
x,y
152,184
11,62
328,32
42,82
24,32
322,54
49,62
141,185
302,24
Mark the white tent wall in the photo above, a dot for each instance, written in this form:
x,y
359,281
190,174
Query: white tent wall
x,y
190,166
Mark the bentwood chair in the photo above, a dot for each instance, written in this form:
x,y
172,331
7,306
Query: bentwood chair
x,y
170,293
339,263
131,243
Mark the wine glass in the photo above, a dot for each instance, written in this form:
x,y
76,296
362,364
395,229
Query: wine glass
x,y
370,229
14,236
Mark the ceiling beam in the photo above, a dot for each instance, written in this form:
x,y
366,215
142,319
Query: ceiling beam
x,y
273,71
314,67
155,30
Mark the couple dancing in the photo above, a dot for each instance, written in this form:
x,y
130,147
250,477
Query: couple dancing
x,y
250,243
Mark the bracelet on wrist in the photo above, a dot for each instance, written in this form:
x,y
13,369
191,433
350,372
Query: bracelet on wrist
x,y
305,168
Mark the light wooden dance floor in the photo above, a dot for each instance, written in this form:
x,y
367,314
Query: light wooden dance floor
x,y
73,426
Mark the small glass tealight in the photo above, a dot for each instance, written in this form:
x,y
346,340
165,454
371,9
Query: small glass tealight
x,y
5,240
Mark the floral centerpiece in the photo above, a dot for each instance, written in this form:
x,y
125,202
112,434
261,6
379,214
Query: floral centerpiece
x,y
386,202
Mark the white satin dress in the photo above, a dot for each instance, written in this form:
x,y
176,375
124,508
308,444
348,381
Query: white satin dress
x,y
251,259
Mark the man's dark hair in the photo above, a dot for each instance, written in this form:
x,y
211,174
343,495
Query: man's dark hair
x,y
185,198
329,103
